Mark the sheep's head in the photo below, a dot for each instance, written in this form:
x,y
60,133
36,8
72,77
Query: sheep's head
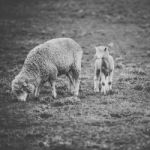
x,y
103,50
21,88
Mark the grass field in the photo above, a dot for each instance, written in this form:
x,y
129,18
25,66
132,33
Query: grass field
x,y
120,121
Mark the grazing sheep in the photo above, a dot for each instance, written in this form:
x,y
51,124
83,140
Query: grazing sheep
x,y
44,63
104,67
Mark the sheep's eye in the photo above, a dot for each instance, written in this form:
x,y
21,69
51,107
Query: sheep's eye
x,y
105,49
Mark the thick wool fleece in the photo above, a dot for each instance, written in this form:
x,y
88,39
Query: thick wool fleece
x,y
50,59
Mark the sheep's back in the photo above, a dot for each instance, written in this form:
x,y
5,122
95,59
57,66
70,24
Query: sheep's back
x,y
60,52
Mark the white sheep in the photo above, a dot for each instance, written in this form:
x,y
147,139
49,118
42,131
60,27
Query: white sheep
x,y
44,63
103,69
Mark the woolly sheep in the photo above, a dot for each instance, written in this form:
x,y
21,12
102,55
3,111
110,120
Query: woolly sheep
x,y
44,63
103,69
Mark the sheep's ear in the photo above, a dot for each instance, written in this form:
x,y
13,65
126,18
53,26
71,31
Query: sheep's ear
x,y
111,44
106,51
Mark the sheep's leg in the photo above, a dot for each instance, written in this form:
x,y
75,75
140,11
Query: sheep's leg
x,y
110,81
37,91
54,94
103,84
76,77
77,84
71,84
96,89
52,80
76,72
96,80
107,83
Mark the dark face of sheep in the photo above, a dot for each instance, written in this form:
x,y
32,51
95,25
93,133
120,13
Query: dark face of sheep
x,y
21,89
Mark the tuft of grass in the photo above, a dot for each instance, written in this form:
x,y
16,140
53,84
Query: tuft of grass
x,y
119,66
45,115
139,71
138,87
123,109
147,88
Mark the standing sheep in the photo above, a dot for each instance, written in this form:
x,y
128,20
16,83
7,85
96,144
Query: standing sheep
x,y
104,68
44,63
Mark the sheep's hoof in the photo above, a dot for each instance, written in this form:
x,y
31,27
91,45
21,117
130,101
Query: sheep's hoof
x,y
36,95
36,98
96,90
22,100
54,96
103,93
75,94
110,92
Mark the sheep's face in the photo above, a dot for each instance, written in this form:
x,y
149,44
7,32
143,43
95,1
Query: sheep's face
x,y
21,89
101,51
